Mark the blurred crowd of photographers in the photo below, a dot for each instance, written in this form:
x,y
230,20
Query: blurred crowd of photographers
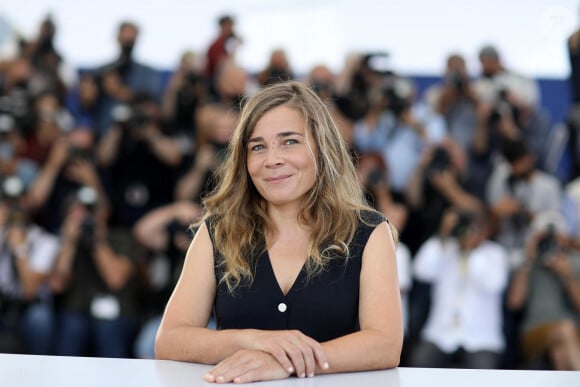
x,y
103,169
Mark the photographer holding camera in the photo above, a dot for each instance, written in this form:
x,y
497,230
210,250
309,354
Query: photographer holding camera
x,y
546,289
94,279
139,159
455,99
468,274
517,190
437,183
121,79
27,254
69,165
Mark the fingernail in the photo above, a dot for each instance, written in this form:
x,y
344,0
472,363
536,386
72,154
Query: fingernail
x,y
302,375
325,365
290,369
311,375
209,377
220,379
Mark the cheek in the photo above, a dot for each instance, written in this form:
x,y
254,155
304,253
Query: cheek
x,y
253,168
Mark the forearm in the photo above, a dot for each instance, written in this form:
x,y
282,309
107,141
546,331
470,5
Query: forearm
x,y
572,284
190,185
107,148
114,269
413,190
165,149
42,186
29,279
518,290
459,198
362,351
480,140
200,345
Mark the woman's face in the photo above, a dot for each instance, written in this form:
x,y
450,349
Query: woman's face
x,y
282,157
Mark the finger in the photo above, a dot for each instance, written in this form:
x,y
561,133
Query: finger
x,y
319,354
226,372
296,356
281,356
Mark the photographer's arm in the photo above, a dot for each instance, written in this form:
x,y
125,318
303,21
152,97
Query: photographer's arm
x,y
166,149
480,144
562,266
43,184
518,287
115,269
170,95
61,273
151,229
30,280
449,187
108,146
190,185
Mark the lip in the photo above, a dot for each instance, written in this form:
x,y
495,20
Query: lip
x,y
275,179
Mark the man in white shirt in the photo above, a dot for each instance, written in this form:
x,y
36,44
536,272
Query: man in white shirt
x,y
468,274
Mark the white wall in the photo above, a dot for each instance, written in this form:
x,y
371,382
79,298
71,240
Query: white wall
x,y
419,34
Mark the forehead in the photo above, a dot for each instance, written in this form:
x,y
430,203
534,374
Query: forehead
x,y
278,120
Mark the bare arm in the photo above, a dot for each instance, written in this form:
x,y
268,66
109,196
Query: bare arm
x,y
183,334
191,184
108,146
379,342
115,269
43,184
151,231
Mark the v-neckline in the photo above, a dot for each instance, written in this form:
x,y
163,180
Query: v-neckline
x,y
275,279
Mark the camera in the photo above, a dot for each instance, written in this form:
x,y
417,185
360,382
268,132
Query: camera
x,y
440,161
12,189
502,106
397,93
78,153
132,118
548,245
456,80
88,197
464,222
375,177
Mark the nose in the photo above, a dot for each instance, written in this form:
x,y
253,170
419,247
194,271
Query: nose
x,y
274,156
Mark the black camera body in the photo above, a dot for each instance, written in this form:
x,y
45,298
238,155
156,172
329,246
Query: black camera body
x,y
130,117
502,106
548,245
440,161
464,222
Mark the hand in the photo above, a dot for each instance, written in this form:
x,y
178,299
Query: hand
x,y
559,263
246,366
59,153
507,206
295,351
82,171
448,222
443,180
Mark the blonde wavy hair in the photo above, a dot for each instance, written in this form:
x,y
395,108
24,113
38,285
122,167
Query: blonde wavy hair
x,y
332,208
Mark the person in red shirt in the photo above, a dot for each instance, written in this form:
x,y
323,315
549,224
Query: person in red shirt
x,y
222,47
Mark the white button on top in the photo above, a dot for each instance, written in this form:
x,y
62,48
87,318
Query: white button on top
x,y
282,307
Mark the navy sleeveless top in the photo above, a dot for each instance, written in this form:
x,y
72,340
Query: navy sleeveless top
x,y
323,307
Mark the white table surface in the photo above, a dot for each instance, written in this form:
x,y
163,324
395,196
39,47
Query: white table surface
x,y
39,371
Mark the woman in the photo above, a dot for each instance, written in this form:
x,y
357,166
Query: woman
x,y
300,272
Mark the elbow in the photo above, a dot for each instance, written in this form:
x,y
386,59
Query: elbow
x,y
389,354
160,349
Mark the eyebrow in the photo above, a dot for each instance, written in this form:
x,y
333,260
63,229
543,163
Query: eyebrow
x,y
279,135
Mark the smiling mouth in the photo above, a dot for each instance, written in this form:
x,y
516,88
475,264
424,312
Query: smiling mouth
x,y
277,178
